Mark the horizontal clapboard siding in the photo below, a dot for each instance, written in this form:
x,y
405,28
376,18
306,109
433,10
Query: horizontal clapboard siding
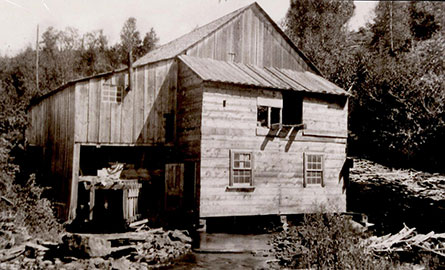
x,y
278,161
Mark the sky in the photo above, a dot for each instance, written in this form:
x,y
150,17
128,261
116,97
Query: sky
x,y
169,18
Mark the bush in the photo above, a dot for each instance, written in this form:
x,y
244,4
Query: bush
x,y
325,241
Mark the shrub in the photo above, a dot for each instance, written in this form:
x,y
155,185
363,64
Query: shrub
x,y
325,241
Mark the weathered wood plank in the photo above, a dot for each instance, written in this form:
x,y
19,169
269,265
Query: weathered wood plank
x,y
104,117
138,112
94,102
127,113
116,113
150,104
81,100
147,103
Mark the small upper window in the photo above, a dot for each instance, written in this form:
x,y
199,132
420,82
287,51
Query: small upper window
x,y
275,113
241,168
313,169
292,108
111,92
268,116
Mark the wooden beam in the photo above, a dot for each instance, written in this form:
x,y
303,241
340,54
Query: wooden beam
x,y
74,183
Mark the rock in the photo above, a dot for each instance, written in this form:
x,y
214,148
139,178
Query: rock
x,y
121,264
33,250
177,235
143,266
84,246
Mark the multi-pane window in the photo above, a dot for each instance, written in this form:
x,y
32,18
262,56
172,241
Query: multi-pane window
x,y
241,168
269,117
111,92
313,169
284,110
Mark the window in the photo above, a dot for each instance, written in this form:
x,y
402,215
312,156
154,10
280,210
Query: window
x,y
111,92
285,110
241,168
269,117
292,108
313,169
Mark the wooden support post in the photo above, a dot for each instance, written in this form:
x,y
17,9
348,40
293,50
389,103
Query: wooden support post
x,y
74,183
92,201
284,223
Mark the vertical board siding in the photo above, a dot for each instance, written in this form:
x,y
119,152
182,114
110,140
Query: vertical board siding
x,y
188,114
278,161
253,40
188,123
139,118
52,129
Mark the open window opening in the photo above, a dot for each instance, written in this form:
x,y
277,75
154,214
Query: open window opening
x,y
269,117
276,113
292,109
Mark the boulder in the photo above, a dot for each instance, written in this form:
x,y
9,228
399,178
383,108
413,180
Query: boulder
x,y
85,246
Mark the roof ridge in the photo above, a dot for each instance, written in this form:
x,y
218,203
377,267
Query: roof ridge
x,y
221,21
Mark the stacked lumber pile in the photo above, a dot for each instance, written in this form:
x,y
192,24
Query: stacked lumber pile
x,y
415,183
391,197
143,249
407,240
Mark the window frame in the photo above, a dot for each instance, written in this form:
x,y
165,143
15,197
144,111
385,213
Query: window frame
x,y
111,92
269,123
232,183
306,169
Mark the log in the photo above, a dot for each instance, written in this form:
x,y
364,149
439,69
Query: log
x,y
138,223
12,253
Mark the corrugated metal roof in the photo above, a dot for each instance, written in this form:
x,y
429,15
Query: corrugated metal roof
x,y
177,46
270,77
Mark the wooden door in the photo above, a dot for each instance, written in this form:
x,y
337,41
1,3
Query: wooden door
x,y
174,185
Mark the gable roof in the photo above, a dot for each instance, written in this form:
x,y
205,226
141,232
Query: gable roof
x,y
181,44
210,70
177,46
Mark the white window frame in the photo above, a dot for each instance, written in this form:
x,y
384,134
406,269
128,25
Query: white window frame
x,y
111,92
308,169
271,102
233,169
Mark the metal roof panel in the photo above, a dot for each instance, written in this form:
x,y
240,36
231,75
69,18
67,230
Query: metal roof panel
x,y
241,74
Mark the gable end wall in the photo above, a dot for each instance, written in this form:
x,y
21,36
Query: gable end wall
x,y
250,39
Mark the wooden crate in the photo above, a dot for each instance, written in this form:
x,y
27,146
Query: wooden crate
x,y
130,204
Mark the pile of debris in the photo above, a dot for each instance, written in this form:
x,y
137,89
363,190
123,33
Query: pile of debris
x,y
416,183
143,249
391,197
407,240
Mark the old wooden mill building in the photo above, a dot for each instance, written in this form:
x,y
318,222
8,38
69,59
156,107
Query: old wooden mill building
x,y
230,119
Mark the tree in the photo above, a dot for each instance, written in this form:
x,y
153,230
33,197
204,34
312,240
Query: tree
x,y
130,39
149,43
319,29
400,95
423,20
391,28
